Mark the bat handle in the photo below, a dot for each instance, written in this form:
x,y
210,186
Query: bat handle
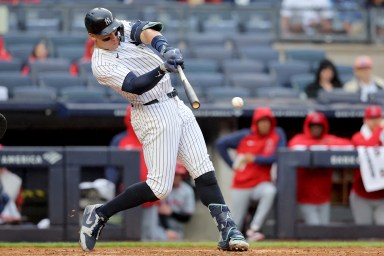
x,y
181,73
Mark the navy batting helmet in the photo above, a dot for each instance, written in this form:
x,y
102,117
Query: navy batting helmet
x,y
100,21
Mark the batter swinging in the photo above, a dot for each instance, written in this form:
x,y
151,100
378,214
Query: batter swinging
x,y
166,127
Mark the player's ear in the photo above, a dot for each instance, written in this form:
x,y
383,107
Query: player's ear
x,y
92,36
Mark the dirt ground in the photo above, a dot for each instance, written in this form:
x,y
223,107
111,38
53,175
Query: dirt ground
x,y
196,251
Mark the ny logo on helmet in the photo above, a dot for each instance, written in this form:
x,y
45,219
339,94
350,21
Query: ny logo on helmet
x,y
107,21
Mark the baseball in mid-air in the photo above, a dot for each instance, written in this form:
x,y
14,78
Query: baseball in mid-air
x,y
237,102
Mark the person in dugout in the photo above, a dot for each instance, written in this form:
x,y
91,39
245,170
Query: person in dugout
x,y
256,152
368,207
314,185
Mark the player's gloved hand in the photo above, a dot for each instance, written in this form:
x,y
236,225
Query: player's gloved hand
x,y
170,52
173,58
172,67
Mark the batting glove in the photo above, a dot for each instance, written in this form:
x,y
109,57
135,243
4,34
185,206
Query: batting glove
x,y
172,67
173,57
170,52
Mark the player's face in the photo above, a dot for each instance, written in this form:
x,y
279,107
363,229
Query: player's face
x,y
264,126
363,74
373,123
326,74
108,42
316,130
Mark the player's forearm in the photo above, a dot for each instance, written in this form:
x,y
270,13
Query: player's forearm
x,y
141,84
182,217
266,160
222,149
163,219
148,35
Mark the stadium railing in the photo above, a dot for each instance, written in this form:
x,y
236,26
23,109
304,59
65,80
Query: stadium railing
x,y
226,18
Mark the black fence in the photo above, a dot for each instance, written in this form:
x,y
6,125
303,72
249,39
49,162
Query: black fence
x,y
64,166
286,225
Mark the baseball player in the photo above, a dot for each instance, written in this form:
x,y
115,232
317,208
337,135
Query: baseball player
x,y
368,207
165,126
256,151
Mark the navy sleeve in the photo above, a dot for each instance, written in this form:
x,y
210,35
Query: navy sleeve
x,y
273,158
141,84
230,141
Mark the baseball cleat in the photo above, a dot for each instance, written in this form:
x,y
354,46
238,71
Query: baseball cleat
x,y
91,226
235,241
231,238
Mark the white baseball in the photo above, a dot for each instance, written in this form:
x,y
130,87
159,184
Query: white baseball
x,y
237,102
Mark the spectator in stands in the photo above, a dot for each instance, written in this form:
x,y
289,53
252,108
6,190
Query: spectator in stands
x,y
378,19
348,17
150,229
326,79
368,207
374,4
178,207
364,81
88,50
16,2
4,55
314,185
256,152
310,17
40,52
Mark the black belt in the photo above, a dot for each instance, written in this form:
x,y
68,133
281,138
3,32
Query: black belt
x,y
171,95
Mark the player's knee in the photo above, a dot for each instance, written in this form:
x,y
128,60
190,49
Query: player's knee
x,y
206,179
162,192
270,191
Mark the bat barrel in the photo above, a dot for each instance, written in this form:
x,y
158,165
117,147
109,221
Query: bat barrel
x,y
192,97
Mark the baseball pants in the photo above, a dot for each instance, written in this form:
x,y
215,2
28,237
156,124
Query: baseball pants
x,y
264,193
168,131
314,214
366,211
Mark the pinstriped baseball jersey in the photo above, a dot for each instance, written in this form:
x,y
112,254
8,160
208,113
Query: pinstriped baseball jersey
x,y
111,67
168,130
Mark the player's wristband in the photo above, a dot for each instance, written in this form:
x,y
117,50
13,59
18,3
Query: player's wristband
x,y
159,43
163,68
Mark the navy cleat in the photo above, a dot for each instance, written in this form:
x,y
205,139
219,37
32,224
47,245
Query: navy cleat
x,y
91,226
231,238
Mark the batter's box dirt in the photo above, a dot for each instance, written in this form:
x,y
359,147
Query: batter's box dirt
x,y
195,251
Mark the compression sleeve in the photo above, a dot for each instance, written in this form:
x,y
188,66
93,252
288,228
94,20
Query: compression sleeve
x,y
280,144
141,84
182,217
230,141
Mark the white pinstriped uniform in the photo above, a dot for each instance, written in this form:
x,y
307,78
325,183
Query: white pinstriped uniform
x,y
167,130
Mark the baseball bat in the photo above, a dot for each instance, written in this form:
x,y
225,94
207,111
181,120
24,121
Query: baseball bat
x,y
192,97
3,125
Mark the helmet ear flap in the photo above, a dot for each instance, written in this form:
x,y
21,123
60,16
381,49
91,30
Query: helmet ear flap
x,y
120,31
